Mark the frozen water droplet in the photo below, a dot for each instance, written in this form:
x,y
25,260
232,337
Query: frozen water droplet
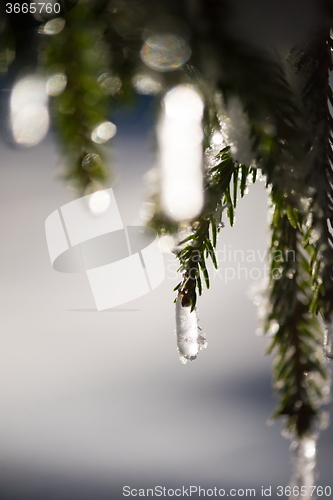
x,y
274,328
290,273
182,360
304,465
315,235
328,344
277,273
202,340
189,338
305,202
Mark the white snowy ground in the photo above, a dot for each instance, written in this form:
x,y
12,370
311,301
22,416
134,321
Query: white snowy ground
x,y
92,401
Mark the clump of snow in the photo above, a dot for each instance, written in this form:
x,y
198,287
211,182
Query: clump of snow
x,y
238,131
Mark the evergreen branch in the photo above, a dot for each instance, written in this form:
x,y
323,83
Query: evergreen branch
x,y
316,60
83,105
7,52
299,369
258,78
192,256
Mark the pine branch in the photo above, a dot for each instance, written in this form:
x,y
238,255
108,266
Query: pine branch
x,y
299,369
315,63
7,52
83,105
258,78
201,244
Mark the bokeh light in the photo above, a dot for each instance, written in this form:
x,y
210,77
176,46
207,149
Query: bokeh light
x,y
109,84
310,448
167,243
217,138
184,103
56,84
180,137
165,52
104,132
91,162
52,27
146,85
29,116
99,202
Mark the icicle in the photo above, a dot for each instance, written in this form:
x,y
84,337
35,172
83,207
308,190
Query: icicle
x,y
328,345
305,462
180,137
189,338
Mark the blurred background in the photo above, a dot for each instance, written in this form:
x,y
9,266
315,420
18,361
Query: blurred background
x,y
93,401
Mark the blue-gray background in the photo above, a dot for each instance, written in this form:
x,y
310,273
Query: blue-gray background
x,y
91,401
